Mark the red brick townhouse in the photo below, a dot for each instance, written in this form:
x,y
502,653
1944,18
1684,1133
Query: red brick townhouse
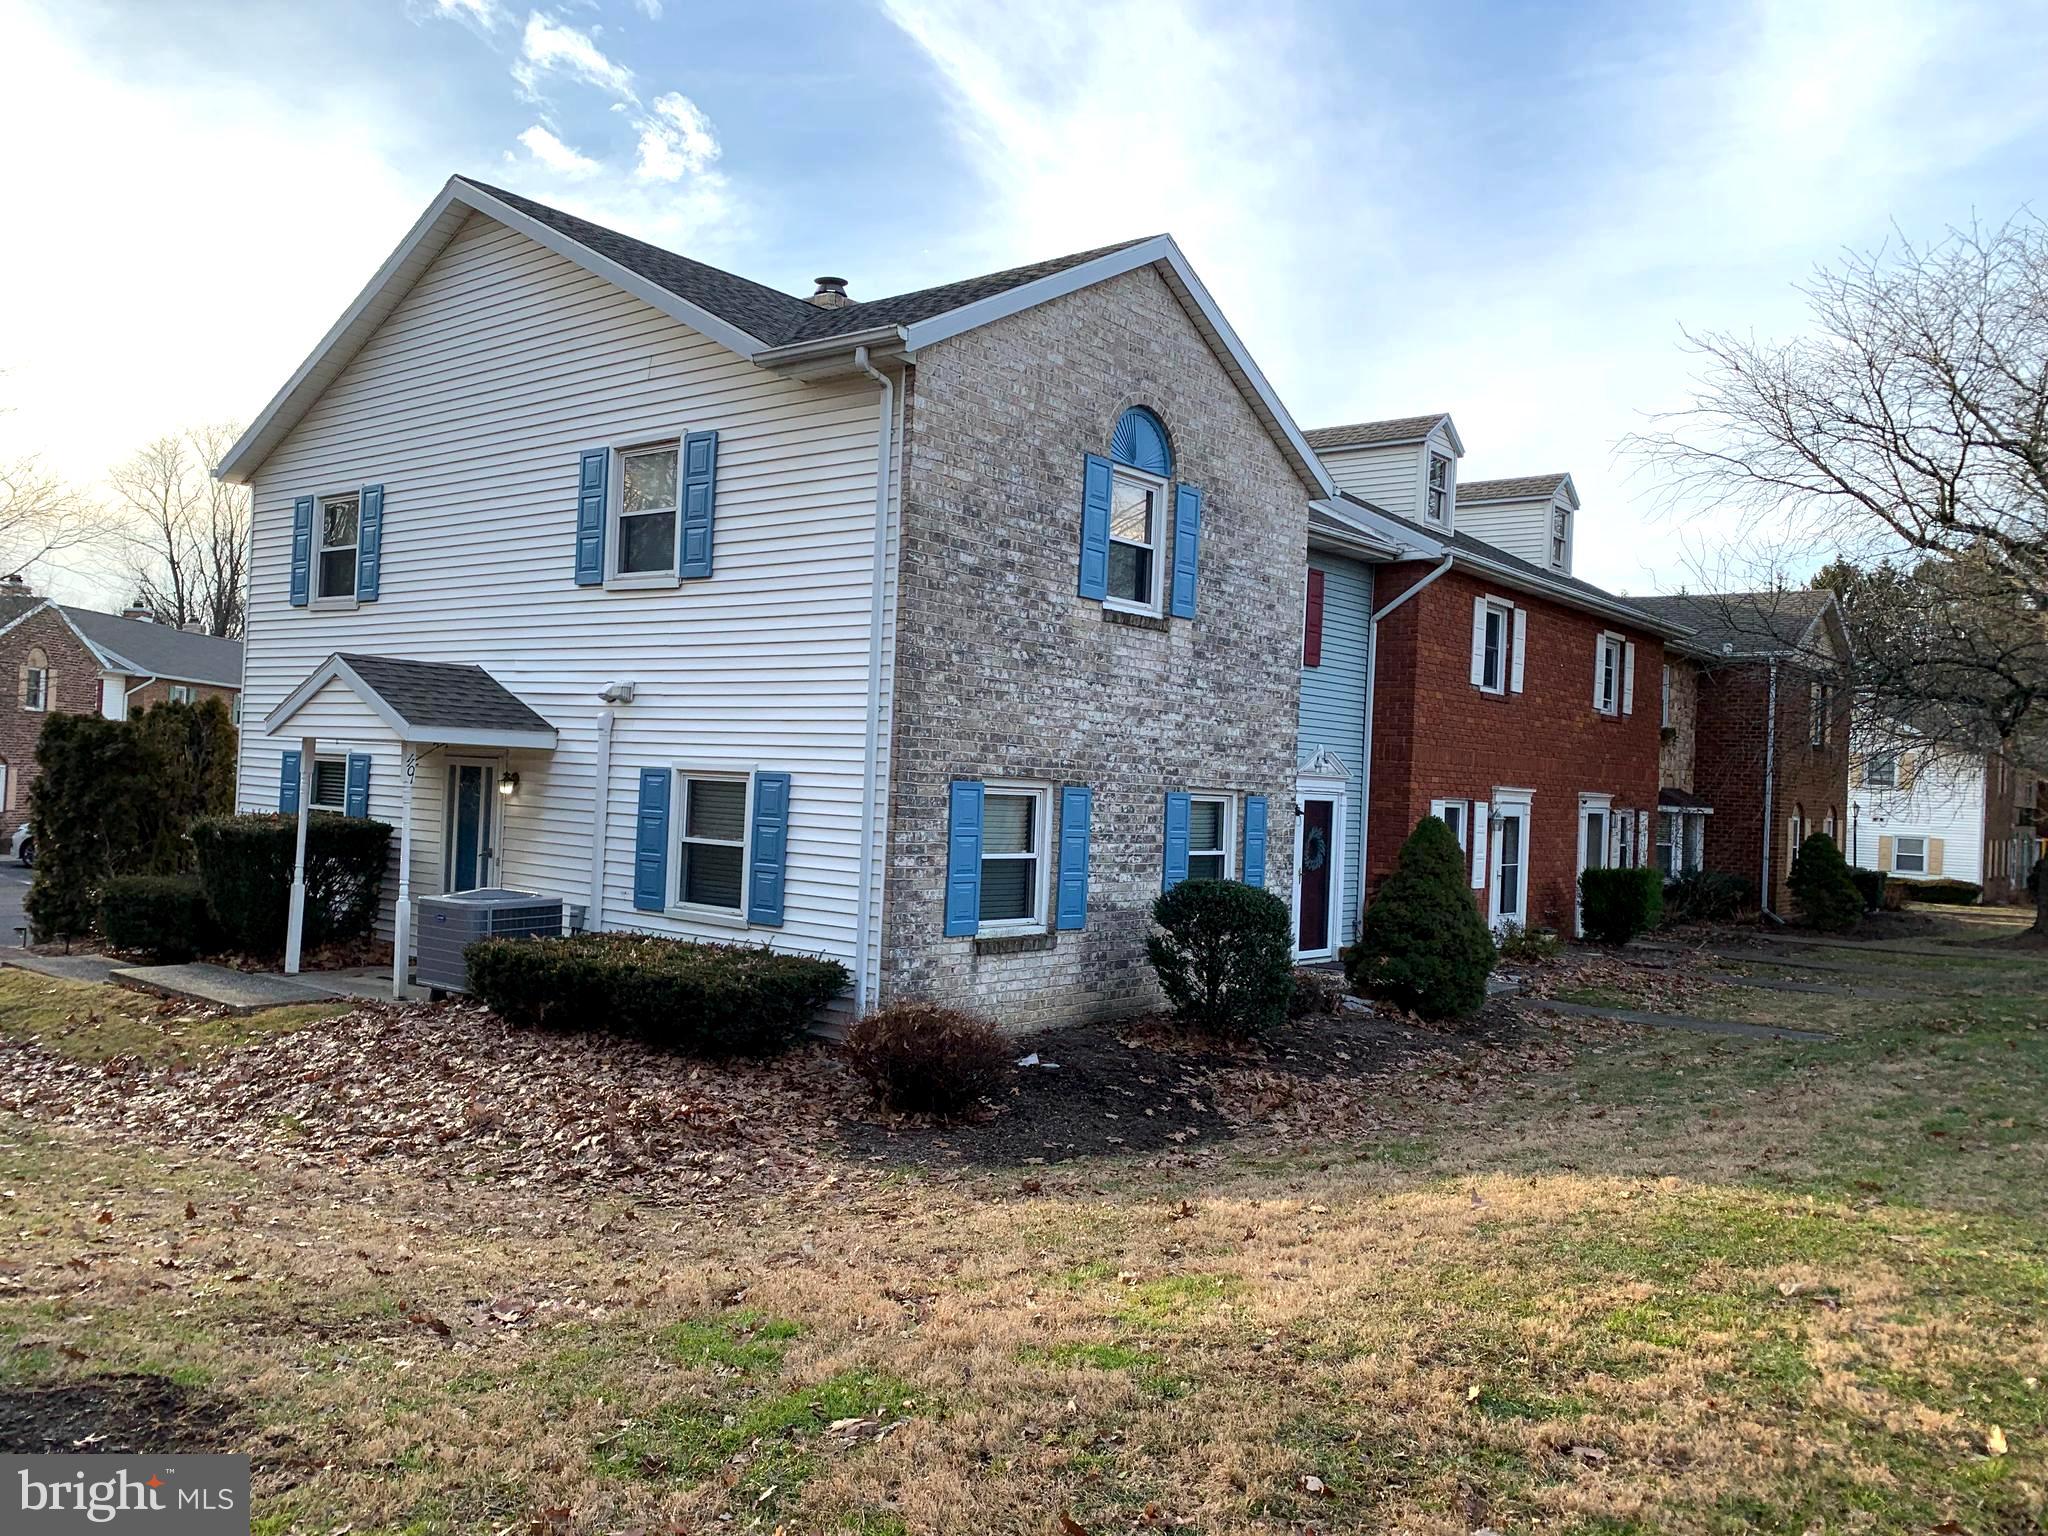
x,y
1503,694
1758,690
76,661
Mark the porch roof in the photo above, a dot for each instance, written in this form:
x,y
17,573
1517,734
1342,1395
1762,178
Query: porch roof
x,y
1670,799
428,702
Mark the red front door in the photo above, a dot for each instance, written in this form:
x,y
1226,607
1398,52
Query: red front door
x,y
1318,862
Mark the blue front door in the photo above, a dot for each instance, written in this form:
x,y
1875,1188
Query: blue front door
x,y
468,839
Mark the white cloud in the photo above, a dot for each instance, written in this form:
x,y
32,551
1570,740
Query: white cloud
x,y
556,156
551,47
676,140
482,13
651,8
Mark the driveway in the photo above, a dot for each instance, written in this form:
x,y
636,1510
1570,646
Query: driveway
x,y
13,891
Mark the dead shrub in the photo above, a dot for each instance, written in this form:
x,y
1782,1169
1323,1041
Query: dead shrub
x,y
925,1058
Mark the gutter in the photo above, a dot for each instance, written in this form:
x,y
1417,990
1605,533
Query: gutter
x,y
1372,674
863,925
882,338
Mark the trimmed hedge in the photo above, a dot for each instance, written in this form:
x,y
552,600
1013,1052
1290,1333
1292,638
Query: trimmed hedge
x,y
1945,893
1423,945
702,999
245,864
163,916
1707,896
1824,892
925,1058
1870,884
1616,905
1224,955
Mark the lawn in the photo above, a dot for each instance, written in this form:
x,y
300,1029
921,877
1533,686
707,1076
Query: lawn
x,y
1640,1282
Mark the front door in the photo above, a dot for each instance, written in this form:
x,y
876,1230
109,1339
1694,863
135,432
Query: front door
x,y
1318,864
468,832
1510,860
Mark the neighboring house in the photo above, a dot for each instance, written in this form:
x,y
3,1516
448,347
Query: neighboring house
x,y
1498,692
1924,813
935,633
1757,689
77,661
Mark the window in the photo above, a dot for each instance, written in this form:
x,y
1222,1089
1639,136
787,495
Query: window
x,y
1439,488
330,784
1493,664
1670,850
1452,813
235,711
1882,770
1013,863
646,528
1560,538
1137,507
1209,837
339,519
1909,855
1607,698
1817,714
1594,854
1507,874
712,865
35,682
1625,845
181,694
1828,826
1665,718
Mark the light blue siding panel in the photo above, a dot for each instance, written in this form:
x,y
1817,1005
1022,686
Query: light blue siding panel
x,y
1332,717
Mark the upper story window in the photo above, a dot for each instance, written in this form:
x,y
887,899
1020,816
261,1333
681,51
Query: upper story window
x,y
340,520
1493,652
35,681
1820,706
1665,718
1140,528
1209,839
1013,862
1439,500
1560,538
645,532
1610,679
1137,513
1881,771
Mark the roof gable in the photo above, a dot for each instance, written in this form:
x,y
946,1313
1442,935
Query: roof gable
x,y
1519,488
1398,431
444,703
142,649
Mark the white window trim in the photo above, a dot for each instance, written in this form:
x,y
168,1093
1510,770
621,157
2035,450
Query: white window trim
x,y
1463,830
1430,459
1518,803
1162,509
313,800
1561,562
38,700
1042,891
679,817
616,580
341,601
182,693
1228,830
1898,851
1506,611
1664,718
1610,703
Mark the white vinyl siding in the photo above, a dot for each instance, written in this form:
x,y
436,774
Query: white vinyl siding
x,y
1943,799
1396,477
470,405
1522,528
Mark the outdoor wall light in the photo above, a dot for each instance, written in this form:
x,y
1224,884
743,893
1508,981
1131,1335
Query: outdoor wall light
x,y
507,782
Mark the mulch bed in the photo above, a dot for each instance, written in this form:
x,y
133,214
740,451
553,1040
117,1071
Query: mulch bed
x,y
130,1415
449,1091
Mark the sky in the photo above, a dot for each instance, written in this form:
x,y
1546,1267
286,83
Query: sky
x,y
1503,210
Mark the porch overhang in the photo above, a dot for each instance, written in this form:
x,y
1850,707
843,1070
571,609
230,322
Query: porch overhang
x,y
425,703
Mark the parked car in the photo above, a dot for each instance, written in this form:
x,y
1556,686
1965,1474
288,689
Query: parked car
x,y
24,848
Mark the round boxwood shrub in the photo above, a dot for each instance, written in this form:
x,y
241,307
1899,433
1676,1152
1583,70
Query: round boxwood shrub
x,y
245,864
925,1058
705,999
1423,945
162,916
1824,893
1224,956
1870,884
1616,905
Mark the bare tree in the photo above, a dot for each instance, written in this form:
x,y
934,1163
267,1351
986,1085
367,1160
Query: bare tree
x,y
1907,434
187,533
41,516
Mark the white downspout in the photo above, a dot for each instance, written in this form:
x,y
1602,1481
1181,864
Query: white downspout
x,y
1372,673
601,787
295,921
1770,775
863,926
401,925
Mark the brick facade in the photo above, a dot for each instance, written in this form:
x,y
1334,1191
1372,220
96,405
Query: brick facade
x,y
1437,736
74,690
1002,672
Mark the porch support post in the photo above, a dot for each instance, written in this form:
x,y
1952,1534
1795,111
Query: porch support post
x,y
401,943
295,926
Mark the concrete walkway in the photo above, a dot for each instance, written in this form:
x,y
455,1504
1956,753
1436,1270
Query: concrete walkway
x,y
78,967
219,986
1729,1027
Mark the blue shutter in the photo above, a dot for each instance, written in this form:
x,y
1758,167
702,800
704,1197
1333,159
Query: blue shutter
x,y
1096,480
356,802
591,474
650,841
700,488
288,785
302,551
369,542
1255,840
768,850
963,859
1187,543
1177,808
1077,804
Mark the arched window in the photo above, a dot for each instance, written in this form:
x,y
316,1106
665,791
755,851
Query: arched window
x,y
1142,467
35,681
1828,826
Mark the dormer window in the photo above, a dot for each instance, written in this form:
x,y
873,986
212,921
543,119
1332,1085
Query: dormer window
x,y
1439,489
1560,538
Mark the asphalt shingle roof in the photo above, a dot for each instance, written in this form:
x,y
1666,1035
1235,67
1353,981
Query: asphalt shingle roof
x,y
1514,488
1743,623
442,694
1373,434
768,314
162,650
